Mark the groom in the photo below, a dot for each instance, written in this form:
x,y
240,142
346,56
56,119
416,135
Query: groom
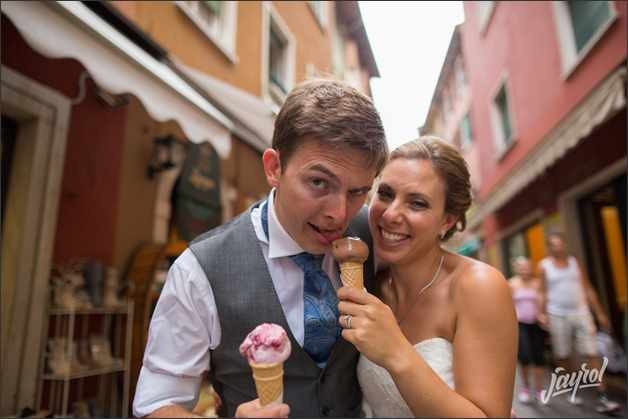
x,y
273,264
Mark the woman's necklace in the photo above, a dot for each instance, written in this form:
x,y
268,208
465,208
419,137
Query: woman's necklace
x,y
429,284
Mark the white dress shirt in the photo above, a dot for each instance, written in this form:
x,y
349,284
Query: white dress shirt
x,y
185,325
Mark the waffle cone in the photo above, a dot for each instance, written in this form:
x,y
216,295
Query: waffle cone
x,y
352,274
268,382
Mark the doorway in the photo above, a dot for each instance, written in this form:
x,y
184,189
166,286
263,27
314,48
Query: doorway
x,y
602,216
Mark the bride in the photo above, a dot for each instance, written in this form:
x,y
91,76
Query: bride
x,y
439,335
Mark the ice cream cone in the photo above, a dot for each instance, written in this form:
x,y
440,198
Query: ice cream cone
x,y
351,253
268,382
352,274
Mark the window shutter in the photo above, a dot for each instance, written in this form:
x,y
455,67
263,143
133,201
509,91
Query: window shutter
x,y
213,6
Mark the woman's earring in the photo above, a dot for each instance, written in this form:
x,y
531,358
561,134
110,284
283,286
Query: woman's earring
x,y
442,235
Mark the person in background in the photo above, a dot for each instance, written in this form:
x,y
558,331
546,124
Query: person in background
x,y
567,299
525,293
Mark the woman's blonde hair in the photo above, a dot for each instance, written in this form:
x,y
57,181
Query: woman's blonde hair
x,y
452,169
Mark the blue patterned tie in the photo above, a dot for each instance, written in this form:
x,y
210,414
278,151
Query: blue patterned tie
x,y
320,304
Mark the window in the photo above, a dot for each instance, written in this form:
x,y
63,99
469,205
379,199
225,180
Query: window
x,y
279,57
580,25
217,20
277,61
502,121
466,136
586,18
319,8
484,12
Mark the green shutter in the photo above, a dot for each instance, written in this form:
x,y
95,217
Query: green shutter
x,y
586,19
467,134
213,6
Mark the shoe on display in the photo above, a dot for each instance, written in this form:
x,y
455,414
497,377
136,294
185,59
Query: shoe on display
x,y
58,361
110,298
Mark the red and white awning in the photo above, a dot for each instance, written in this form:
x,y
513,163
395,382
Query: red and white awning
x,y
68,29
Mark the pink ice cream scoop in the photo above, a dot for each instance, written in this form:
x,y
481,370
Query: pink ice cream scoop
x,y
268,343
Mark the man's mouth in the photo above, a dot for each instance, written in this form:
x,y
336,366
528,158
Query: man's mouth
x,y
326,236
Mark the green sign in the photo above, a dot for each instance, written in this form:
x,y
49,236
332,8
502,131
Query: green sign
x,y
197,194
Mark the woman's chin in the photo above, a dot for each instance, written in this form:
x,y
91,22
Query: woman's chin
x,y
387,257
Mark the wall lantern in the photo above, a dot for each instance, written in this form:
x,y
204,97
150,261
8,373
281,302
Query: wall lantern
x,y
162,159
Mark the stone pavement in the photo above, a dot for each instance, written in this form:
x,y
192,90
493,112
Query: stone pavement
x,y
559,407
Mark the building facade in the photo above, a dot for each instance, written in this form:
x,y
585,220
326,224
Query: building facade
x,y
128,128
548,110
449,117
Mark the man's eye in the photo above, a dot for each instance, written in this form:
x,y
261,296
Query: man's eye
x,y
318,183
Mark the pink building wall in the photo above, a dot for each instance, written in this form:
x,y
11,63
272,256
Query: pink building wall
x,y
521,43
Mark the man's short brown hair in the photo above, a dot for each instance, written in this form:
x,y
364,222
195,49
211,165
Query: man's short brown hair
x,y
336,115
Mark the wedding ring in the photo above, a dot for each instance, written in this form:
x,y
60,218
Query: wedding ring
x,y
348,321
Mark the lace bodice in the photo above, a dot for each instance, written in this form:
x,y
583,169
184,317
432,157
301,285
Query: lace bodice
x,y
381,397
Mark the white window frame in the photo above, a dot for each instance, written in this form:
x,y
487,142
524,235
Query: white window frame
x,y
270,93
570,57
496,123
223,35
484,13
321,18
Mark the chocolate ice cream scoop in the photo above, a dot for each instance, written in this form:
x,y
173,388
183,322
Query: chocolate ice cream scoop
x,y
351,253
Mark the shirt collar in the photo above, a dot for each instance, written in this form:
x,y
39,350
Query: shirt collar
x,y
280,244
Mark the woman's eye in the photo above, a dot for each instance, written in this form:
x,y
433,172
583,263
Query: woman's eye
x,y
384,195
417,204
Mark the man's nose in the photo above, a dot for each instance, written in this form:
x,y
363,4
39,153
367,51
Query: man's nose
x,y
336,209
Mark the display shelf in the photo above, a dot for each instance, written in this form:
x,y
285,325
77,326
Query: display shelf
x,y
96,310
117,325
83,374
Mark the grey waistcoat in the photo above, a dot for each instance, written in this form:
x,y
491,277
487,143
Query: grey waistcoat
x,y
232,259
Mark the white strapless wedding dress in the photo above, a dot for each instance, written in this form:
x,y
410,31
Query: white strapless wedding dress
x,y
380,395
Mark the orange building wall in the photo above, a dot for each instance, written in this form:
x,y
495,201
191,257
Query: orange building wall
x,y
175,32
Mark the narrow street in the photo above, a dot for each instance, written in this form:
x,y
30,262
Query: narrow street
x,y
559,406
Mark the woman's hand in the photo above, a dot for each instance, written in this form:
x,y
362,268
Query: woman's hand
x,y
374,330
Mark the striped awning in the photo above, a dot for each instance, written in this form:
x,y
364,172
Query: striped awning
x,y
599,106
68,29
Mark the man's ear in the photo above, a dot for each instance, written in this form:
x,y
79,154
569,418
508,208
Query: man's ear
x,y
272,166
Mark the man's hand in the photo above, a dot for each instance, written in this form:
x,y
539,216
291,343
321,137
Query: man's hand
x,y
603,322
254,409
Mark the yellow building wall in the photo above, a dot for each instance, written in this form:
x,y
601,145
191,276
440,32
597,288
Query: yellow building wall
x,y
536,244
616,252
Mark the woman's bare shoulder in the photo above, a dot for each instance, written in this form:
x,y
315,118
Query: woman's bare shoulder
x,y
479,281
